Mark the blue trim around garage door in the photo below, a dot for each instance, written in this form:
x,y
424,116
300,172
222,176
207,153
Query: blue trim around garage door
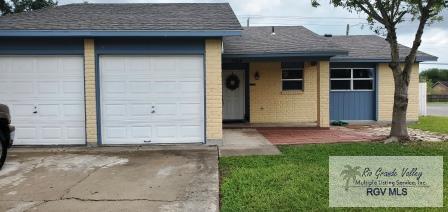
x,y
41,46
133,46
353,105
142,46
115,33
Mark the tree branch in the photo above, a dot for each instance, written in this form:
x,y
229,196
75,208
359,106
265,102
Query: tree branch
x,y
371,11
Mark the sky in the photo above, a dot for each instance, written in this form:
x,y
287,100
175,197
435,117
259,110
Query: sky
x,y
323,20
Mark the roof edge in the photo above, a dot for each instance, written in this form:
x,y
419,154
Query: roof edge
x,y
382,60
439,83
119,33
287,54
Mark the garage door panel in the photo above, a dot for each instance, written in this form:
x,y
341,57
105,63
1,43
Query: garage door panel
x,y
165,87
113,65
25,132
71,66
46,98
72,88
51,132
140,87
115,132
166,131
114,110
165,109
141,133
49,111
48,66
162,86
21,87
21,111
48,87
113,87
190,109
140,110
190,131
191,87
23,65
75,133
137,66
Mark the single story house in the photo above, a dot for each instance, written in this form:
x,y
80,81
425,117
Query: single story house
x,y
440,88
112,74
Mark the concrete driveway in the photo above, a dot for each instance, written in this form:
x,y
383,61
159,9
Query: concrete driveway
x,y
128,180
437,109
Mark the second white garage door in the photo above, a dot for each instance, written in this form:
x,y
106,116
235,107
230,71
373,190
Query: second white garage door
x,y
152,99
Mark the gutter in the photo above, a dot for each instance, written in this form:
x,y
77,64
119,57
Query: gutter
x,y
118,33
382,60
289,54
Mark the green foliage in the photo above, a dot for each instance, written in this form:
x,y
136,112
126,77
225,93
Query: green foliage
x,y
297,180
384,14
17,6
437,124
434,75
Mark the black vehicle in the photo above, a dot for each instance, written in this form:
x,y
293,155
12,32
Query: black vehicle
x,y
6,132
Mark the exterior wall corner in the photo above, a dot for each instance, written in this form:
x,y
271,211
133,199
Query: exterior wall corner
x,y
323,94
90,91
386,88
213,89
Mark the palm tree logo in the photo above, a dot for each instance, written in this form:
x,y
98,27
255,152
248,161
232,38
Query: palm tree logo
x,y
350,173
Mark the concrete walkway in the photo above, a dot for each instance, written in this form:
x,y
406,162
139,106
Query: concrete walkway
x,y
241,142
128,180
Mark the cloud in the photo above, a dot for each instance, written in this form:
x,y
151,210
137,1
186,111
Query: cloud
x,y
435,39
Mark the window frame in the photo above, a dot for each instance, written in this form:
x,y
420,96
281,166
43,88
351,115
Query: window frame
x,y
352,79
294,80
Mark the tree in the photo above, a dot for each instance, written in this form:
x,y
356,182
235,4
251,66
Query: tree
x,y
434,75
384,16
17,6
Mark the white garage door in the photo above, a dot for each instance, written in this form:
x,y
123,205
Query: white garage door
x,y
46,98
152,99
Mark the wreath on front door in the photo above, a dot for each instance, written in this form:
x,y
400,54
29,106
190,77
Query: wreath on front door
x,y
232,82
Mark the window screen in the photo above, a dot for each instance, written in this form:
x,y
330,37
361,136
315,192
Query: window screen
x,y
292,79
351,79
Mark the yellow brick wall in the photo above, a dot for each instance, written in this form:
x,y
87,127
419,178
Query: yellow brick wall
x,y
323,93
268,104
213,49
386,93
90,96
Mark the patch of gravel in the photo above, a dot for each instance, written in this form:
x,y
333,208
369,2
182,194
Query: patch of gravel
x,y
414,134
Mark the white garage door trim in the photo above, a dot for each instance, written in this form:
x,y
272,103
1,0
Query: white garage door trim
x,y
46,98
165,104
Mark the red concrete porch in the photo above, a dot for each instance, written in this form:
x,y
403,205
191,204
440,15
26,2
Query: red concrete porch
x,y
285,136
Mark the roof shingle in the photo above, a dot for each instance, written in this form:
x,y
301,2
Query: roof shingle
x,y
287,40
371,47
297,39
126,17
444,83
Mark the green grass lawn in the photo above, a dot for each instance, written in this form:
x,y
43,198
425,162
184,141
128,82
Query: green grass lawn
x,y
437,124
437,103
297,180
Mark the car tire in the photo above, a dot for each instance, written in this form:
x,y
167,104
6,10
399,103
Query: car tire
x,y
4,149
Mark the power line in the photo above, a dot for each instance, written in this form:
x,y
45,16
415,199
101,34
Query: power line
x,y
296,17
302,17
429,63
